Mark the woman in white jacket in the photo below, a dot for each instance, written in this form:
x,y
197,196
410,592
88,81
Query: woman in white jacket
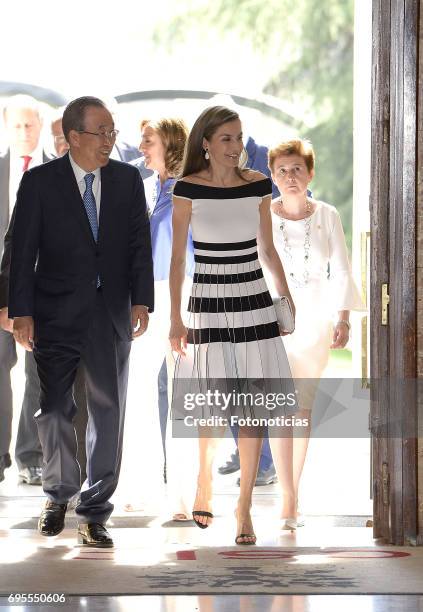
x,y
309,238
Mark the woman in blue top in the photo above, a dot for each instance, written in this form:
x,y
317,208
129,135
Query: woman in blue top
x,y
162,144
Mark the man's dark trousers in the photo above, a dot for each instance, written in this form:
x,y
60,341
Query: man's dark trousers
x,y
105,358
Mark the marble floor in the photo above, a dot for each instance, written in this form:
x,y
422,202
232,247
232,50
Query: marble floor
x,y
18,518
231,603
334,498
19,508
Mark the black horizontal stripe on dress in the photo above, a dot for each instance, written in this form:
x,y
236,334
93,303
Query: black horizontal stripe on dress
x,y
228,279
232,259
233,334
225,246
195,191
242,303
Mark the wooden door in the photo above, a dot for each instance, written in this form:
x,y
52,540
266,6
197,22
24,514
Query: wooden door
x,y
393,263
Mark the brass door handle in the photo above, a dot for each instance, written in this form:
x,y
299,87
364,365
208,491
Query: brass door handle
x,y
385,303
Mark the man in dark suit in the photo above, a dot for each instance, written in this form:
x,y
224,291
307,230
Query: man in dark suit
x,y
31,403
23,123
124,152
81,286
61,147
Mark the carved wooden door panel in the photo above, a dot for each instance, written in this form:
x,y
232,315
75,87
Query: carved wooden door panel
x,y
393,269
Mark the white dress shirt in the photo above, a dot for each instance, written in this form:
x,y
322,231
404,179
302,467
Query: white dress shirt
x,y
79,175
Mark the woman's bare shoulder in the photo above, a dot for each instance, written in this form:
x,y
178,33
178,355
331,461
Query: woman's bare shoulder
x,y
195,179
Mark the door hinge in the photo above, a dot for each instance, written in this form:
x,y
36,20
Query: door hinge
x,y
385,302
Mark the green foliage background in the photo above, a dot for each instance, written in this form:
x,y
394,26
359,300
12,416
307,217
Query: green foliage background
x,y
314,40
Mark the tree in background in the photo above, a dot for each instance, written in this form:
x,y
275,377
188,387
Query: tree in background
x,y
310,43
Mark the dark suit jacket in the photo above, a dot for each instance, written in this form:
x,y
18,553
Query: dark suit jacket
x,y
4,192
5,238
5,265
55,261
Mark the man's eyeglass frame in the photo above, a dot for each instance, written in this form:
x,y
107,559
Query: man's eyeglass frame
x,y
109,135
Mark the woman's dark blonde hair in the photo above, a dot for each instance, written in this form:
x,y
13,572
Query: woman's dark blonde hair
x,y
173,133
205,126
298,146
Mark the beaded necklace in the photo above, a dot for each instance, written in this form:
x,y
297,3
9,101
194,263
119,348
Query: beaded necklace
x,y
298,282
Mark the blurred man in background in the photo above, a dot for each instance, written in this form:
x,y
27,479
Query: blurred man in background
x,y
23,123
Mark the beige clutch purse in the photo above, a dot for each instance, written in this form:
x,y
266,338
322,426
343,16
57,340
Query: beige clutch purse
x,y
284,314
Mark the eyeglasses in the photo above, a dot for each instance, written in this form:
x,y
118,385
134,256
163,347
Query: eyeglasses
x,y
105,135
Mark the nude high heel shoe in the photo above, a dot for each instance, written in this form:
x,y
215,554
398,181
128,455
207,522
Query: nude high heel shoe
x,y
291,524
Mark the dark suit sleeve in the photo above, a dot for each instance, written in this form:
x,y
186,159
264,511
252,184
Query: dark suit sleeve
x,y
7,252
25,242
141,273
5,264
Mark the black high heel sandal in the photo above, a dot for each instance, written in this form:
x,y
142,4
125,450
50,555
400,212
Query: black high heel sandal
x,y
239,538
201,513
245,535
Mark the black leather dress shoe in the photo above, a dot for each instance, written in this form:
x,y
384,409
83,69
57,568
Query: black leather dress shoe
x,y
94,534
5,462
52,519
265,477
30,475
231,466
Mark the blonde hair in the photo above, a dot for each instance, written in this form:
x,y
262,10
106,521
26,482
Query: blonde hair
x,y
173,133
299,146
205,126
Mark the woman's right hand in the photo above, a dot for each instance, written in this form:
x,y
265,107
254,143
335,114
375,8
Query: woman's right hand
x,y
178,337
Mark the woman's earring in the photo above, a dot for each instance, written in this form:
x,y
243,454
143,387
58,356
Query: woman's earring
x,y
206,154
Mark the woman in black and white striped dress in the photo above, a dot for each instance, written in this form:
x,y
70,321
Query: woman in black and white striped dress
x,y
232,332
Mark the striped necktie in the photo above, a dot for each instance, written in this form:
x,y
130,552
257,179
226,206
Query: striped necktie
x,y
90,205
91,208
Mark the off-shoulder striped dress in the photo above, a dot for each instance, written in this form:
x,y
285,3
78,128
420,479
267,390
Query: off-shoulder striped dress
x,y
232,327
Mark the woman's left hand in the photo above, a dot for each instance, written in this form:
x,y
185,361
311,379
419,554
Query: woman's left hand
x,y
283,333
341,335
